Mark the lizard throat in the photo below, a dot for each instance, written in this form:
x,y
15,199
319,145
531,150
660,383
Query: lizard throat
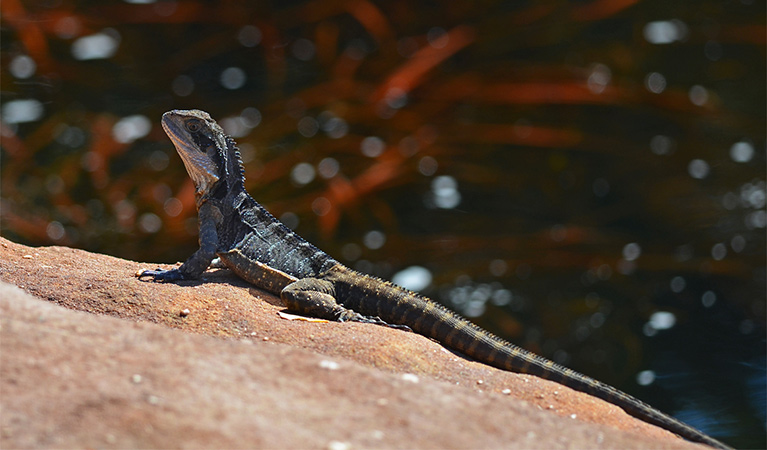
x,y
201,170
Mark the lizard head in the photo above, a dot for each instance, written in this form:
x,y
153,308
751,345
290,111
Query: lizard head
x,y
209,155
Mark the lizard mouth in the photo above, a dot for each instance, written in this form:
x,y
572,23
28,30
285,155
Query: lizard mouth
x,y
201,168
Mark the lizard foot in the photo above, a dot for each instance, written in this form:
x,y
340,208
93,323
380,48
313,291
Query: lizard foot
x,y
161,275
355,317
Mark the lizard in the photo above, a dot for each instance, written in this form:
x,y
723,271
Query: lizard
x,y
263,251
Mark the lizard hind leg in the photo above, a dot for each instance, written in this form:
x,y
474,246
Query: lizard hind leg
x,y
316,298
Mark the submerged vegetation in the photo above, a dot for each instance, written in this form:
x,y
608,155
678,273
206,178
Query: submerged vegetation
x,y
586,179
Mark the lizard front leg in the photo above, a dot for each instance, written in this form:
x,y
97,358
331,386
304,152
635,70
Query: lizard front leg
x,y
196,264
316,297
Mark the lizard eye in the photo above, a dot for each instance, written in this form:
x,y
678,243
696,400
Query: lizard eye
x,y
193,125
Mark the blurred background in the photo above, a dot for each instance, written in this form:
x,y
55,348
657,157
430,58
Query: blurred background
x,y
585,179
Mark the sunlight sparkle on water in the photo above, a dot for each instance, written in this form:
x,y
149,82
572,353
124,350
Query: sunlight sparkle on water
x,y
665,31
698,169
752,195
599,78
738,243
655,82
20,111
308,126
445,193
328,168
239,126
96,46
698,95
302,173
130,128
70,136
234,127
662,320
678,284
372,146
718,251
631,251
321,206
233,78
645,377
149,223
173,207
55,230
22,66
333,126
427,166
742,151
662,145
374,239
249,36
415,278
708,299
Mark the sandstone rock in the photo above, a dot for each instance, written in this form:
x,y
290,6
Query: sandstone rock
x,y
95,358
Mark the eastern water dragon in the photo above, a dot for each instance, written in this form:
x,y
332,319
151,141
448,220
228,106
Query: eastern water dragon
x,y
263,251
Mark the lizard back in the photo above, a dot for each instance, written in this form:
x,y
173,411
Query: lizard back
x,y
259,236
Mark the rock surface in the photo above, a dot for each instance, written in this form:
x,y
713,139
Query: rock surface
x,y
95,358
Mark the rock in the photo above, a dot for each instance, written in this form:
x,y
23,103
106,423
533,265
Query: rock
x,y
95,358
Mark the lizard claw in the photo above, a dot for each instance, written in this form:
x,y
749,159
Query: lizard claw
x,y
161,275
373,320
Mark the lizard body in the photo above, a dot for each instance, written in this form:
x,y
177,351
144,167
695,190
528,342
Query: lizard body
x,y
263,251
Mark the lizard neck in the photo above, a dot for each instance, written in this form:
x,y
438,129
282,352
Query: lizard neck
x,y
230,173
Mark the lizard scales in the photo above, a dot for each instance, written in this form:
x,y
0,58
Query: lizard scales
x,y
263,251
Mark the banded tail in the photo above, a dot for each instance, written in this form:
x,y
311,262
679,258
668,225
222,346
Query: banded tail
x,y
399,306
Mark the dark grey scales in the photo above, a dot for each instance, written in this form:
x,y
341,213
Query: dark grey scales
x,y
263,251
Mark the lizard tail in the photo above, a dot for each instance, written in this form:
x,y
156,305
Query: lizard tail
x,y
426,317
462,335
433,320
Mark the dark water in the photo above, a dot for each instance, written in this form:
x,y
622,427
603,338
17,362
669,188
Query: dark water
x,y
586,180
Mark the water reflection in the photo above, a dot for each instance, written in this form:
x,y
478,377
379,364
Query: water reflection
x,y
415,278
22,111
698,95
233,78
444,190
374,239
655,82
128,129
665,31
249,36
698,169
742,152
302,173
328,168
22,66
96,46
372,146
